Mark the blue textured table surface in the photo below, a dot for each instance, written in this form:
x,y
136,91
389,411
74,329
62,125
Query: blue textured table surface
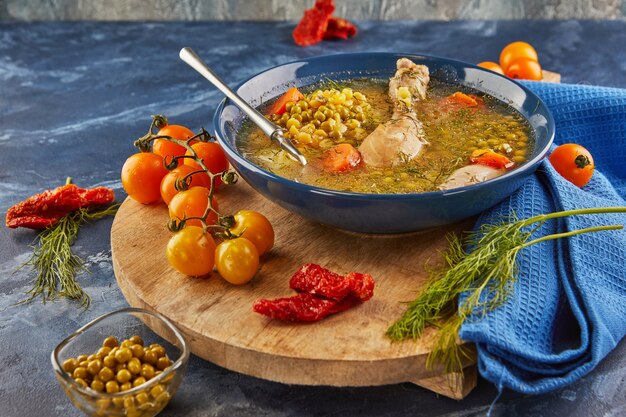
x,y
73,97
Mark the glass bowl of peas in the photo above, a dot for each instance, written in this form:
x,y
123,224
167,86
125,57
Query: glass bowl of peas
x,y
117,365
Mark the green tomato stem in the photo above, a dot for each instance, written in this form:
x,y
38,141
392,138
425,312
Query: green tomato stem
x,y
144,144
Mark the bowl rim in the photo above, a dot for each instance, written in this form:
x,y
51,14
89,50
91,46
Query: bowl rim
x,y
250,166
176,365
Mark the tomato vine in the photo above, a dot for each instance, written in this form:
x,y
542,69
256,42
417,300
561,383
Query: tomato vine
x,y
228,177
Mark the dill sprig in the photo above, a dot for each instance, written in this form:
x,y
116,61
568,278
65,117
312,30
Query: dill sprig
x,y
54,264
484,275
335,84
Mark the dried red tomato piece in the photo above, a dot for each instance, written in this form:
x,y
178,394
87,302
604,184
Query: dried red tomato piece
x,y
322,292
361,285
311,28
32,222
303,307
97,196
314,279
47,208
339,28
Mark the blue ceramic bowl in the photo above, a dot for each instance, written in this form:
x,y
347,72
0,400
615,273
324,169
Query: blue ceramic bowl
x,y
381,213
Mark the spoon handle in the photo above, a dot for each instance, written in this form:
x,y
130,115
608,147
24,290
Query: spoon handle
x,y
270,129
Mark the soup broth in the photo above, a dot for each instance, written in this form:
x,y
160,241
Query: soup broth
x,y
453,133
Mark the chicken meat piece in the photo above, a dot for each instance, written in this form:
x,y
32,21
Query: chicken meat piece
x,y
402,137
470,174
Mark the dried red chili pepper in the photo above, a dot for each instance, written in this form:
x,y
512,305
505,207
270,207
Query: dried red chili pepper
x,y
303,307
339,28
311,28
322,292
47,208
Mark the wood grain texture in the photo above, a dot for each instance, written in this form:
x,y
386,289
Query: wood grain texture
x,y
346,349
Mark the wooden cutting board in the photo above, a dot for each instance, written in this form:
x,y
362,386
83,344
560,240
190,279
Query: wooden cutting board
x,y
551,77
346,349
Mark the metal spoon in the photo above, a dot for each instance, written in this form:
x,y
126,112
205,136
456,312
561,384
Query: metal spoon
x,y
270,129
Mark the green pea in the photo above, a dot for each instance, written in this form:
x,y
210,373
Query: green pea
x,y
293,122
353,123
303,105
335,134
326,126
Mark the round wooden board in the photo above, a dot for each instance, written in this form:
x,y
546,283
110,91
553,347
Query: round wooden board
x,y
346,349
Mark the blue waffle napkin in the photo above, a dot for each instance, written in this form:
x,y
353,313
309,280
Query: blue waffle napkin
x,y
567,310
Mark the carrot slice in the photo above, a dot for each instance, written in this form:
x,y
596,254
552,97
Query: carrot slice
x,y
491,159
341,158
469,100
290,95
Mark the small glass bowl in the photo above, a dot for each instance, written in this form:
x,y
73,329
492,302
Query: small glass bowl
x,y
145,400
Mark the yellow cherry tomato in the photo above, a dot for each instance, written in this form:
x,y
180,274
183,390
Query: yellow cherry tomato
x,y
256,228
141,177
491,66
525,69
168,183
514,51
164,148
237,260
191,251
192,203
574,163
